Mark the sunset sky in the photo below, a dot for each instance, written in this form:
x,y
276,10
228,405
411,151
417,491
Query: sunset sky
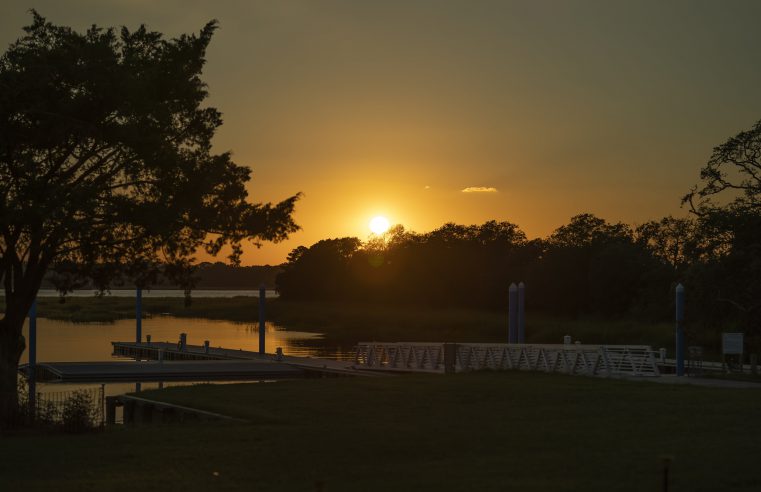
x,y
427,112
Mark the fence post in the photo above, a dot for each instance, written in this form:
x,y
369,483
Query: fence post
x,y
102,404
139,315
680,330
111,410
450,358
262,304
521,312
512,312
32,379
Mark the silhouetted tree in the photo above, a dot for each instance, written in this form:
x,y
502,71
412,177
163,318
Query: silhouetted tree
x,y
588,265
318,272
732,175
725,278
106,163
674,241
452,265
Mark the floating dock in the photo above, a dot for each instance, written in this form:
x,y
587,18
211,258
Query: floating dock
x,y
174,351
164,361
144,371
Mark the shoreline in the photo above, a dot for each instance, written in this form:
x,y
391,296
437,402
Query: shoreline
x,y
356,321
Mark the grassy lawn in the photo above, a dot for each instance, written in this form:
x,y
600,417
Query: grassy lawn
x,y
478,431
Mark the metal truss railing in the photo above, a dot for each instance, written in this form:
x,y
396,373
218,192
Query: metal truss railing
x,y
593,360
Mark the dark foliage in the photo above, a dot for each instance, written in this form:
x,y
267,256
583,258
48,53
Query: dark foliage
x,y
106,169
587,266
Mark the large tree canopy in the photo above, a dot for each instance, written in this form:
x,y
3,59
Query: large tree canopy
x,y
732,174
727,203
106,164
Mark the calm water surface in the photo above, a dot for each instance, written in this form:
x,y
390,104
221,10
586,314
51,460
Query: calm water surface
x,y
63,341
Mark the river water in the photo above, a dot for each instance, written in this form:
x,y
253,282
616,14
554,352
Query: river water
x,y
63,341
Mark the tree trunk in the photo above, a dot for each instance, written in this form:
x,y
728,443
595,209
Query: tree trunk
x,y
11,347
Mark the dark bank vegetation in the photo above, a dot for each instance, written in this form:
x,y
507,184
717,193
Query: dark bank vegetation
x,y
588,267
345,323
205,275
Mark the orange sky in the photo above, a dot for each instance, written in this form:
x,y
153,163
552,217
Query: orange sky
x,y
393,108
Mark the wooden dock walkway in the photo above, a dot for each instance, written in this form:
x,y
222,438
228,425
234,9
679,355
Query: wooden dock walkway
x,y
172,351
177,370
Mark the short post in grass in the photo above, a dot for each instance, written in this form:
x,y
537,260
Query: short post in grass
x,y
512,312
139,315
262,304
521,312
680,330
32,379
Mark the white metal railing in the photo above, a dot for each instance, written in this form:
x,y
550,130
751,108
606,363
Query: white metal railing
x,y
607,360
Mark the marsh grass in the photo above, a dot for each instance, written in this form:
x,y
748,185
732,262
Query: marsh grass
x,y
347,322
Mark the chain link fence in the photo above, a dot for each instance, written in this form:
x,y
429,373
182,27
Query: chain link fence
x,y
79,410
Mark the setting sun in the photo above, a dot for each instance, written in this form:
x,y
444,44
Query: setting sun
x,y
379,224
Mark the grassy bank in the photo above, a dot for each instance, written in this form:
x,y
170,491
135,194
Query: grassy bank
x,y
353,322
479,431
108,309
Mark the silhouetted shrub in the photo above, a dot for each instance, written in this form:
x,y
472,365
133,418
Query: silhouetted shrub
x,y
79,413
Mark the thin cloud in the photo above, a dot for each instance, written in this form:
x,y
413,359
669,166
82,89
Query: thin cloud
x,y
479,189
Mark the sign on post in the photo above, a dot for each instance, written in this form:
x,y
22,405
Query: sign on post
x,y
732,351
732,343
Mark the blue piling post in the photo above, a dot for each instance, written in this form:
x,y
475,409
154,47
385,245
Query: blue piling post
x,y
521,312
139,315
32,380
680,330
512,325
138,325
262,303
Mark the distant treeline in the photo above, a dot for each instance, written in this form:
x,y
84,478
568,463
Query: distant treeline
x,y
586,267
205,276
